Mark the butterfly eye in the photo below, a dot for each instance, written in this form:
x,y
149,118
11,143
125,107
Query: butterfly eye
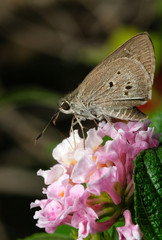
x,y
65,106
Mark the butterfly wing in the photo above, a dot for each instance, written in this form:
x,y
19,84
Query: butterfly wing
x,y
124,79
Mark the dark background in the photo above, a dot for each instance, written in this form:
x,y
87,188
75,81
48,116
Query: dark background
x,y
47,47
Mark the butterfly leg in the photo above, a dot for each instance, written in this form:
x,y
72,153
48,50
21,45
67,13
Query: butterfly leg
x,y
95,122
82,129
73,123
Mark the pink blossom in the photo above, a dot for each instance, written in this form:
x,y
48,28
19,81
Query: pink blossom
x,y
129,231
103,180
64,152
64,202
89,183
53,174
71,150
84,220
48,215
128,141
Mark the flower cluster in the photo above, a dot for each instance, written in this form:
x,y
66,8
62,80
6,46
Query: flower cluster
x,y
93,182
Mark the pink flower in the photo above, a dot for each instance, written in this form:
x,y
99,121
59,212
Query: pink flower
x,y
48,215
71,150
64,202
103,180
129,231
89,184
71,154
128,141
53,174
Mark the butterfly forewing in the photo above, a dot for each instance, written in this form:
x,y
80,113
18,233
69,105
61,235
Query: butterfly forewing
x,y
132,63
139,48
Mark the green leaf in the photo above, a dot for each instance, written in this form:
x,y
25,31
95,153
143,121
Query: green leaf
x,y
105,139
113,232
63,232
148,193
44,236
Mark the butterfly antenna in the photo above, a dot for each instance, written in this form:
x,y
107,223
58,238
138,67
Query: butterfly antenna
x,y
53,119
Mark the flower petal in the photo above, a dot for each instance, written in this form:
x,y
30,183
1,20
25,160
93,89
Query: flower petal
x,y
129,231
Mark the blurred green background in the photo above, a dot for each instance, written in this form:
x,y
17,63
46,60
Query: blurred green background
x,y
47,47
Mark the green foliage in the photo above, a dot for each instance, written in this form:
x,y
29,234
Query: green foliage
x,y
45,236
105,139
62,233
148,193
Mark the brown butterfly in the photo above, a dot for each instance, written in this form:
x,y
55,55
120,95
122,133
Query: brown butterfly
x,y
114,88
